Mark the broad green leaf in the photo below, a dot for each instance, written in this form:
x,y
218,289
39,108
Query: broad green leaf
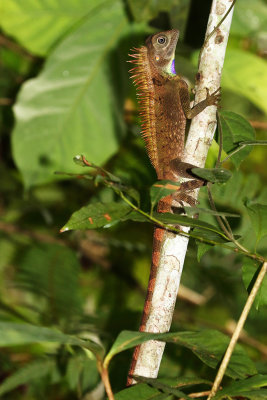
x,y
246,74
250,17
208,345
140,392
70,107
162,189
97,215
250,272
162,386
245,388
12,334
258,217
39,24
235,129
28,373
184,381
214,175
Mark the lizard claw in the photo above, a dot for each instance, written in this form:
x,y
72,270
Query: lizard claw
x,y
214,98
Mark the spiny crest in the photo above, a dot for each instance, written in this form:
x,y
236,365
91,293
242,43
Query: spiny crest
x,y
141,76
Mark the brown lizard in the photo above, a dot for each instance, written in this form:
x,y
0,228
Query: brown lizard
x,y
164,107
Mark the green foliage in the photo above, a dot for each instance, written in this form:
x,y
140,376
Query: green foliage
x,y
21,334
57,106
64,298
97,215
34,370
235,129
250,272
39,25
208,345
155,390
213,175
50,271
246,74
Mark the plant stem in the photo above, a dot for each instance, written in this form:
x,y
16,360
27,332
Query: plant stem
x,y
105,379
239,249
238,330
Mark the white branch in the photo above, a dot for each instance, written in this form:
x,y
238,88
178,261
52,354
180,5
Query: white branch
x,y
199,139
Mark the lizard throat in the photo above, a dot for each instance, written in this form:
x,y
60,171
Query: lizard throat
x,y
173,67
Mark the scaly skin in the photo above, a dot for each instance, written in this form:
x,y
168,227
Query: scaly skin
x,y
164,107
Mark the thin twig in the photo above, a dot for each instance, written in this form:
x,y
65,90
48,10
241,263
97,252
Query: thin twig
x,y
242,146
199,394
103,371
4,41
238,329
218,218
223,221
239,249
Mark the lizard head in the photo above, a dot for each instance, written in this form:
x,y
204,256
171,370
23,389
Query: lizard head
x,y
161,50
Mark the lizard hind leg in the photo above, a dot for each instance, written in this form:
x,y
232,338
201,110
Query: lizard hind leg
x,y
182,196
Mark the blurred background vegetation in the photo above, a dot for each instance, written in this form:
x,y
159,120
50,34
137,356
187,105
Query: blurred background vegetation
x,y
65,90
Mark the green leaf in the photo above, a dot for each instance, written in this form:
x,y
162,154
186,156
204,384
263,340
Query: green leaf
x,y
162,189
12,334
28,373
208,345
258,217
168,218
245,388
97,215
70,107
202,248
39,24
235,129
140,392
161,386
246,74
214,175
250,272
55,282
191,211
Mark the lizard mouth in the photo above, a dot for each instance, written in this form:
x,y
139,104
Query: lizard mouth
x,y
174,39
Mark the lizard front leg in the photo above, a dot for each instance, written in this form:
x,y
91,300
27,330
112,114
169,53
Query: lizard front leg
x,y
211,99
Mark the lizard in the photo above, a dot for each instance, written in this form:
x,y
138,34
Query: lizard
x,y
164,102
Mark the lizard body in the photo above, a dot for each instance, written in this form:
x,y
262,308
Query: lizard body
x,y
164,107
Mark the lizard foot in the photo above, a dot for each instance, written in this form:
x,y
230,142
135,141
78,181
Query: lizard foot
x,y
214,98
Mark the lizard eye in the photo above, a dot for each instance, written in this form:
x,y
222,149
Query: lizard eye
x,y
161,40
